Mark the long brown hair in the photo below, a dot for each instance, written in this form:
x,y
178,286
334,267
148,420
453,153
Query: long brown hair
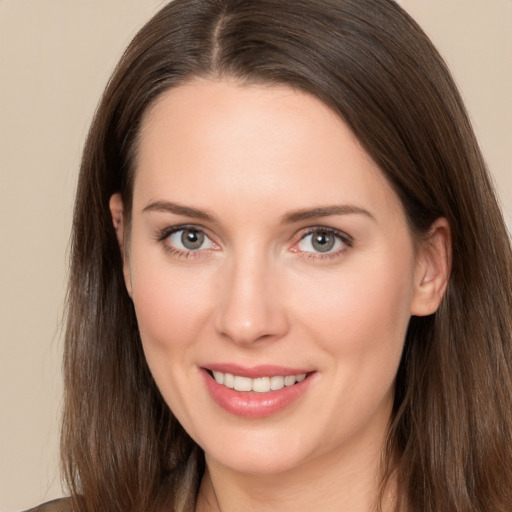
x,y
449,446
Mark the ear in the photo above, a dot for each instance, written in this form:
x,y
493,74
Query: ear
x,y
117,213
433,266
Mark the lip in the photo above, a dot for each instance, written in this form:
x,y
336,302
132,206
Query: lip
x,y
253,372
252,404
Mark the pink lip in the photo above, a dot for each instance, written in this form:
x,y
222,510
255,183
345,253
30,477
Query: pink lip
x,y
253,372
252,404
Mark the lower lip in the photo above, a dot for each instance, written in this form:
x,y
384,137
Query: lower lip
x,y
252,404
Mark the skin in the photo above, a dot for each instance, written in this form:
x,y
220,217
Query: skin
x,y
258,291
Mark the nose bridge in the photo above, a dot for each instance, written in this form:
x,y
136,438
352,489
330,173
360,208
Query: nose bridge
x,y
250,308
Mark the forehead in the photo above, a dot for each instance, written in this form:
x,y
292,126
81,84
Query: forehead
x,y
252,142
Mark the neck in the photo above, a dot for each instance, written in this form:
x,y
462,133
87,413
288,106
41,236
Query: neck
x,y
341,481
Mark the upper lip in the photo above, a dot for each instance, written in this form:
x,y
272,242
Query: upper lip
x,y
253,372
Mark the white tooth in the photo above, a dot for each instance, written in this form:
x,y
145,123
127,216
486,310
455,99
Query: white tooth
x,y
243,383
229,380
276,382
300,377
289,380
219,377
261,384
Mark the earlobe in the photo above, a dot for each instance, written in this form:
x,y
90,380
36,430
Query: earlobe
x,y
432,269
117,213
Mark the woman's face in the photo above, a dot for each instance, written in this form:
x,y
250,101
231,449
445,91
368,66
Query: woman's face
x,y
267,252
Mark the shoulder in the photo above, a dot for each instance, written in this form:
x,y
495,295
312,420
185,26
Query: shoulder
x,y
60,505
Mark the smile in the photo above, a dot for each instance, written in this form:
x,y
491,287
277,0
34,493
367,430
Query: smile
x,y
256,392
259,384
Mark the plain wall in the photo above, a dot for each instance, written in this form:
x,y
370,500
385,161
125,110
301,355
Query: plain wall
x,y
55,58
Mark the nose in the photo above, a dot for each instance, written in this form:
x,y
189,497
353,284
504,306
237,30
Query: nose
x,y
250,305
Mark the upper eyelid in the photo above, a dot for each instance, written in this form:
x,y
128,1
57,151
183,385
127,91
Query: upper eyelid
x,y
315,229
165,232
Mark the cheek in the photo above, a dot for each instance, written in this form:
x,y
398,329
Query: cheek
x,y
360,316
172,307
359,321
171,304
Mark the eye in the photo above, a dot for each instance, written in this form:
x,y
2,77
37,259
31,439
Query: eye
x,y
189,239
323,241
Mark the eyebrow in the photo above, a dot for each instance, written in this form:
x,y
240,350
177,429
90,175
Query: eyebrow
x,y
325,211
289,218
178,209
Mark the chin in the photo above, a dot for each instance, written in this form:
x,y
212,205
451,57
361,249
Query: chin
x,y
259,454
247,462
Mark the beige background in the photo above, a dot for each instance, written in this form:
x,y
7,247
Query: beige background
x,y
55,57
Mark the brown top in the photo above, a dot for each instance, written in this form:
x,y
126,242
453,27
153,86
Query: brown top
x,y
60,505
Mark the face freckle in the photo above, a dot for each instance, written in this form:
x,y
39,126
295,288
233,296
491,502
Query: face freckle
x,y
265,241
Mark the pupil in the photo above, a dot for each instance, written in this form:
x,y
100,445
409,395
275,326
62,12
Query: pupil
x,y
323,242
192,239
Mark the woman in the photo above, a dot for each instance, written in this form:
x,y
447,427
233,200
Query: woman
x,y
291,282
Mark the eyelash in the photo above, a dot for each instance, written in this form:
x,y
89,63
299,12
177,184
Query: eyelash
x,y
346,241
163,236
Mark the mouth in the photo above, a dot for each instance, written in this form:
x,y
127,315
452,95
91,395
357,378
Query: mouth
x,y
256,392
258,384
